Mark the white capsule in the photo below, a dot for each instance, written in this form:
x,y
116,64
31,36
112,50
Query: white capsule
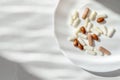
x,y
89,26
93,15
71,21
77,30
98,29
72,38
95,32
88,48
86,22
91,52
82,36
102,15
104,30
75,15
111,32
98,52
81,41
76,22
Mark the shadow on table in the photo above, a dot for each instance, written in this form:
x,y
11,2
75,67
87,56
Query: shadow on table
x,y
7,70
13,71
115,73
24,75
112,5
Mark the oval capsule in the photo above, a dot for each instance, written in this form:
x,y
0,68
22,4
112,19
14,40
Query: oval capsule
x,y
90,39
90,25
105,51
88,48
86,22
91,52
93,15
76,22
82,36
104,29
85,13
82,41
111,32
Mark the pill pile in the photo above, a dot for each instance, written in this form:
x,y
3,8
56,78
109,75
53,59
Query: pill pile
x,y
86,34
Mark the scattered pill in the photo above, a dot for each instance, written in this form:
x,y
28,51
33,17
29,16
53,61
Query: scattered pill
x,y
83,30
85,13
86,22
98,52
111,32
75,42
95,32
90,39
93,15
98,29
76,22
88,48
77,30
90,25
95,37
82,36
75,15
82,41
99,20
80,46
91,52
104,29
71,21
103,50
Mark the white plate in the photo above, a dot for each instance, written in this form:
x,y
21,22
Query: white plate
x,y
80,58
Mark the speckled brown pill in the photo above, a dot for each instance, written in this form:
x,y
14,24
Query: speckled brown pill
x,y
75,42
95,37
99,20
85,13
103,50
90,39
82,29
80,46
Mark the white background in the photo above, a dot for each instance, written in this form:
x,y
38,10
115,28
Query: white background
x,y
28,50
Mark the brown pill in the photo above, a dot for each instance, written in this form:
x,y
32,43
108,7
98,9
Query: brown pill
x,y
101,19
75,42
103,50
95,37
82,29
80,46
85,13
90,39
